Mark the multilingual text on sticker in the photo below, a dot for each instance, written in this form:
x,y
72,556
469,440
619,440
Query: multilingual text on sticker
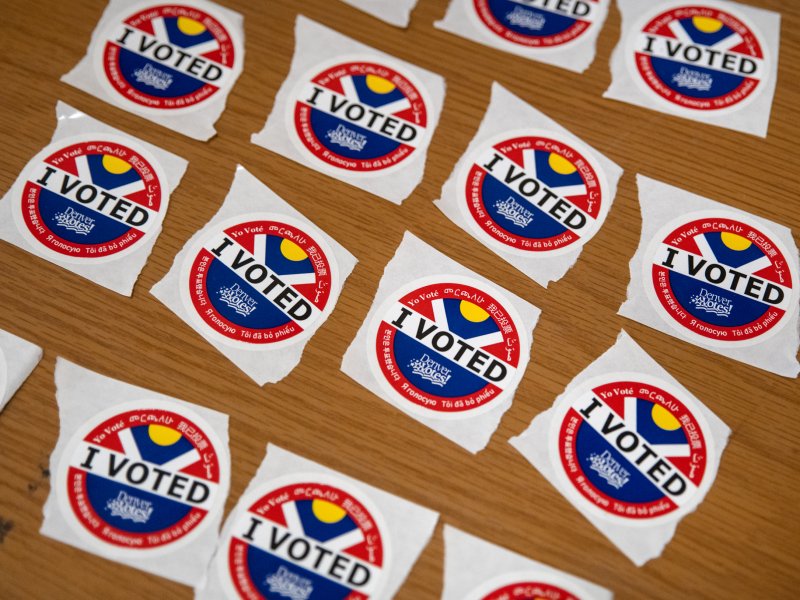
x,y
143,476
719,279
447,347
91,197
313,537
540,24
701,57
632,447
168,57
260,281
528,585
533,193
360,116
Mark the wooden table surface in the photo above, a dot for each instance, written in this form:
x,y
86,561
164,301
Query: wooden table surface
x,y
742,542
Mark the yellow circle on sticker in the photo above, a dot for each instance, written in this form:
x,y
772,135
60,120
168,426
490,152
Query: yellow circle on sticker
x,y
162,435
379,85
292,251
706,24
327,512
735,242
560,165
115,165
190,26
664,419
473,312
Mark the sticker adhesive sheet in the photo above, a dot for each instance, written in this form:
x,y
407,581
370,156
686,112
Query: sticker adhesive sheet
x,y
257,281
173,64
303,530
137,477
93,201
18,357
394,12
475,569
559,33
443,344
629,447
717,277
354,113
528,189
710,61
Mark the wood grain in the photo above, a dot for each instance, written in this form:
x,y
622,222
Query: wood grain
x,y
741,543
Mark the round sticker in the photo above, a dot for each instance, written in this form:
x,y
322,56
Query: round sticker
x,y
539,24
260,280
168,57
447,347
528,585
533,192
363,116
91,198
632,447
698,57
312,537
142,477
720,280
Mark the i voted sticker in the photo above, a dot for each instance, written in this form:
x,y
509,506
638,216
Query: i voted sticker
x,y
720,280
360,116
533,192
447,347
698,57
165,58
312,537
631,447
531,585
540,24
91,198
142,477
260,280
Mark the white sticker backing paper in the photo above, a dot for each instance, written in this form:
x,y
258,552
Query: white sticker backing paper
x,y
474,569
302,530
354,113
137,477
173,63
18,358
92,201
257,281
443,344
562,33
528,189
628,446
716,276
710,61
394,12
